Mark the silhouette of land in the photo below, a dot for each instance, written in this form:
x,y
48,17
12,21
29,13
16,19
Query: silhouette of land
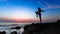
x,y
17,27
2,32
43,28
14,32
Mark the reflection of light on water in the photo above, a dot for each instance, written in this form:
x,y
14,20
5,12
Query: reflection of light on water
x,y
8,31
7,27
21,30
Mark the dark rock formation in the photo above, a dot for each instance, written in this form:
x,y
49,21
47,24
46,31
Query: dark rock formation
x,y
58,21
42,28
14,32
17,27
2,32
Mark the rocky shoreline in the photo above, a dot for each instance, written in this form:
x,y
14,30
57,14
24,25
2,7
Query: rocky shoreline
x,y
43,28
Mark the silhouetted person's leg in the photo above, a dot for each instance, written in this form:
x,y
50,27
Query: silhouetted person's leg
x,y
40,18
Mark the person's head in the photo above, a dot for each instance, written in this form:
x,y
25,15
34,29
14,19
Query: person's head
x,y
39,9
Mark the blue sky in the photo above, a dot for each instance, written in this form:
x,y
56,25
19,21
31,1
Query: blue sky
x,y
25,9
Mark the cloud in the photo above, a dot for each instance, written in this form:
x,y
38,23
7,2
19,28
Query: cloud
x,y
40,3
50,6
47,5
3,0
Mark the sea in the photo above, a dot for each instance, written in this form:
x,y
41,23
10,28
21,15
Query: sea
x,y
6,26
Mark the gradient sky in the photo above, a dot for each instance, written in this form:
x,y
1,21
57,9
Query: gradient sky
x,y
25,10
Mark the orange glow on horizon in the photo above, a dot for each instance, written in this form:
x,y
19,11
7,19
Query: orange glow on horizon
x,y
22,20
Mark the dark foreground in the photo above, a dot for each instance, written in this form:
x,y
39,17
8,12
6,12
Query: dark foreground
x,y
40,28
43,28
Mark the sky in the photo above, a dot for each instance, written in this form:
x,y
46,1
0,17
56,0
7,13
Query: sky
x,y
24,10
